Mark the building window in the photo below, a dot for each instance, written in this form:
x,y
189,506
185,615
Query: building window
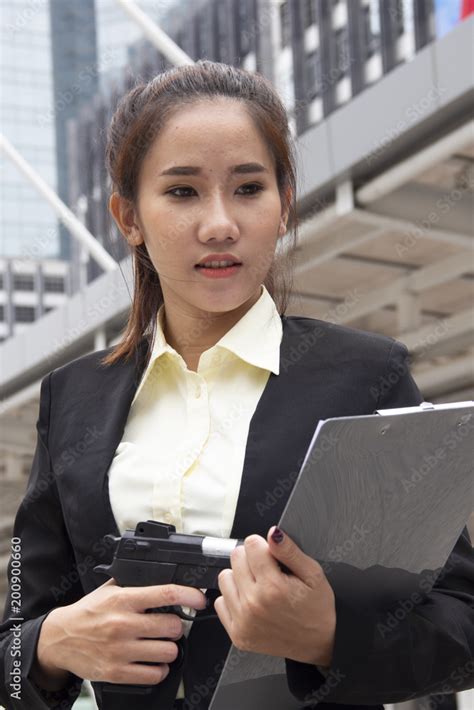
x,y
244,27
313,75
223,40
309,12
54,284
2,313
24,314
1,282
399,18
342,54
23,282
371,28
285,23
204,34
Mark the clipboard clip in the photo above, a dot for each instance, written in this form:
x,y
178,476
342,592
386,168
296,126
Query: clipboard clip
x,y
428,406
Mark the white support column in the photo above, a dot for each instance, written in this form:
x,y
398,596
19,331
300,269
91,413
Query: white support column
x,y
408,311
68,218
344,198
100,339
12,464
155,34
83,258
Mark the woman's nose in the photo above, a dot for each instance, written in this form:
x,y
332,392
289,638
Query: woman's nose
x,y
218,220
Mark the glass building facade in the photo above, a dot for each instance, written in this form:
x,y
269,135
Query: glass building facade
x,y
28,226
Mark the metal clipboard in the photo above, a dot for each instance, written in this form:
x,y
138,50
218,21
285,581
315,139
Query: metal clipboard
x,y
387,494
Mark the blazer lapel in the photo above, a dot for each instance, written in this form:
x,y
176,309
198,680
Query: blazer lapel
x,y
88,426
279,435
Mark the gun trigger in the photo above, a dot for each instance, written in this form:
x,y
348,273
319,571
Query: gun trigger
x,y
182,614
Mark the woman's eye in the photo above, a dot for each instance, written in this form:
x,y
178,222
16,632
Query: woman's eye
x,y
253,184
173,191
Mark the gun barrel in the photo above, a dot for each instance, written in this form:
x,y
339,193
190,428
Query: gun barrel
x,y
219,545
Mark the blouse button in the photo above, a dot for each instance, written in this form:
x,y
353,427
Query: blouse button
x,y
197,391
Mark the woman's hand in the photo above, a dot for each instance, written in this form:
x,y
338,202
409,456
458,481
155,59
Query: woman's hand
x,y
267,611
102,635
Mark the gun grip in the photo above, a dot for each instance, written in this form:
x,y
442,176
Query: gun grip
x,y
162,689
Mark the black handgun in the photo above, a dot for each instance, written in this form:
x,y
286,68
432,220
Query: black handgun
x,y
154,553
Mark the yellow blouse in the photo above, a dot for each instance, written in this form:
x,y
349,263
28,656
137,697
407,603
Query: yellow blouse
x,y
181,456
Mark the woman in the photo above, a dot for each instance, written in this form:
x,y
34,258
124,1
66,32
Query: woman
x,y
211,397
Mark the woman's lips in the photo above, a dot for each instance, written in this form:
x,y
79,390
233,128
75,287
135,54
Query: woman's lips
x,y
211,273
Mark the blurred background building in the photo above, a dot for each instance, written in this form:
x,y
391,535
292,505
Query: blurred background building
x,y
379,95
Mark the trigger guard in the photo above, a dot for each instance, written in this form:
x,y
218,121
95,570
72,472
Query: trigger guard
x,y
178,610
181,657
173,609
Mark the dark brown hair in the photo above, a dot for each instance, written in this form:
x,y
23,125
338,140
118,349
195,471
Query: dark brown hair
x,y
139,117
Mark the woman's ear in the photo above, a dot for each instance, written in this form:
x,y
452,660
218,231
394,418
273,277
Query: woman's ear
x,y
123,212
282,228
285,213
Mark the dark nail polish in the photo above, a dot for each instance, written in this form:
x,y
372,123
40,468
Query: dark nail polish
x,y
277,535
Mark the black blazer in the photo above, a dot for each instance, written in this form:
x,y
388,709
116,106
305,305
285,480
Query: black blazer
x,y
326,370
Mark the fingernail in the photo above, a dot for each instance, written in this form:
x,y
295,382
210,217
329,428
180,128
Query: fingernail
x,y
277,535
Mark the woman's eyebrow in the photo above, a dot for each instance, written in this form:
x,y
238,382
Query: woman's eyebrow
x,y
194,170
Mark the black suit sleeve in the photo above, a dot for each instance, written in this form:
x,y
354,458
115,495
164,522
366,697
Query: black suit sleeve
x,y
430,649
46,578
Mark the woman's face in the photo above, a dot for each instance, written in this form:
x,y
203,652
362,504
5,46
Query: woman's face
x,y
214,208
